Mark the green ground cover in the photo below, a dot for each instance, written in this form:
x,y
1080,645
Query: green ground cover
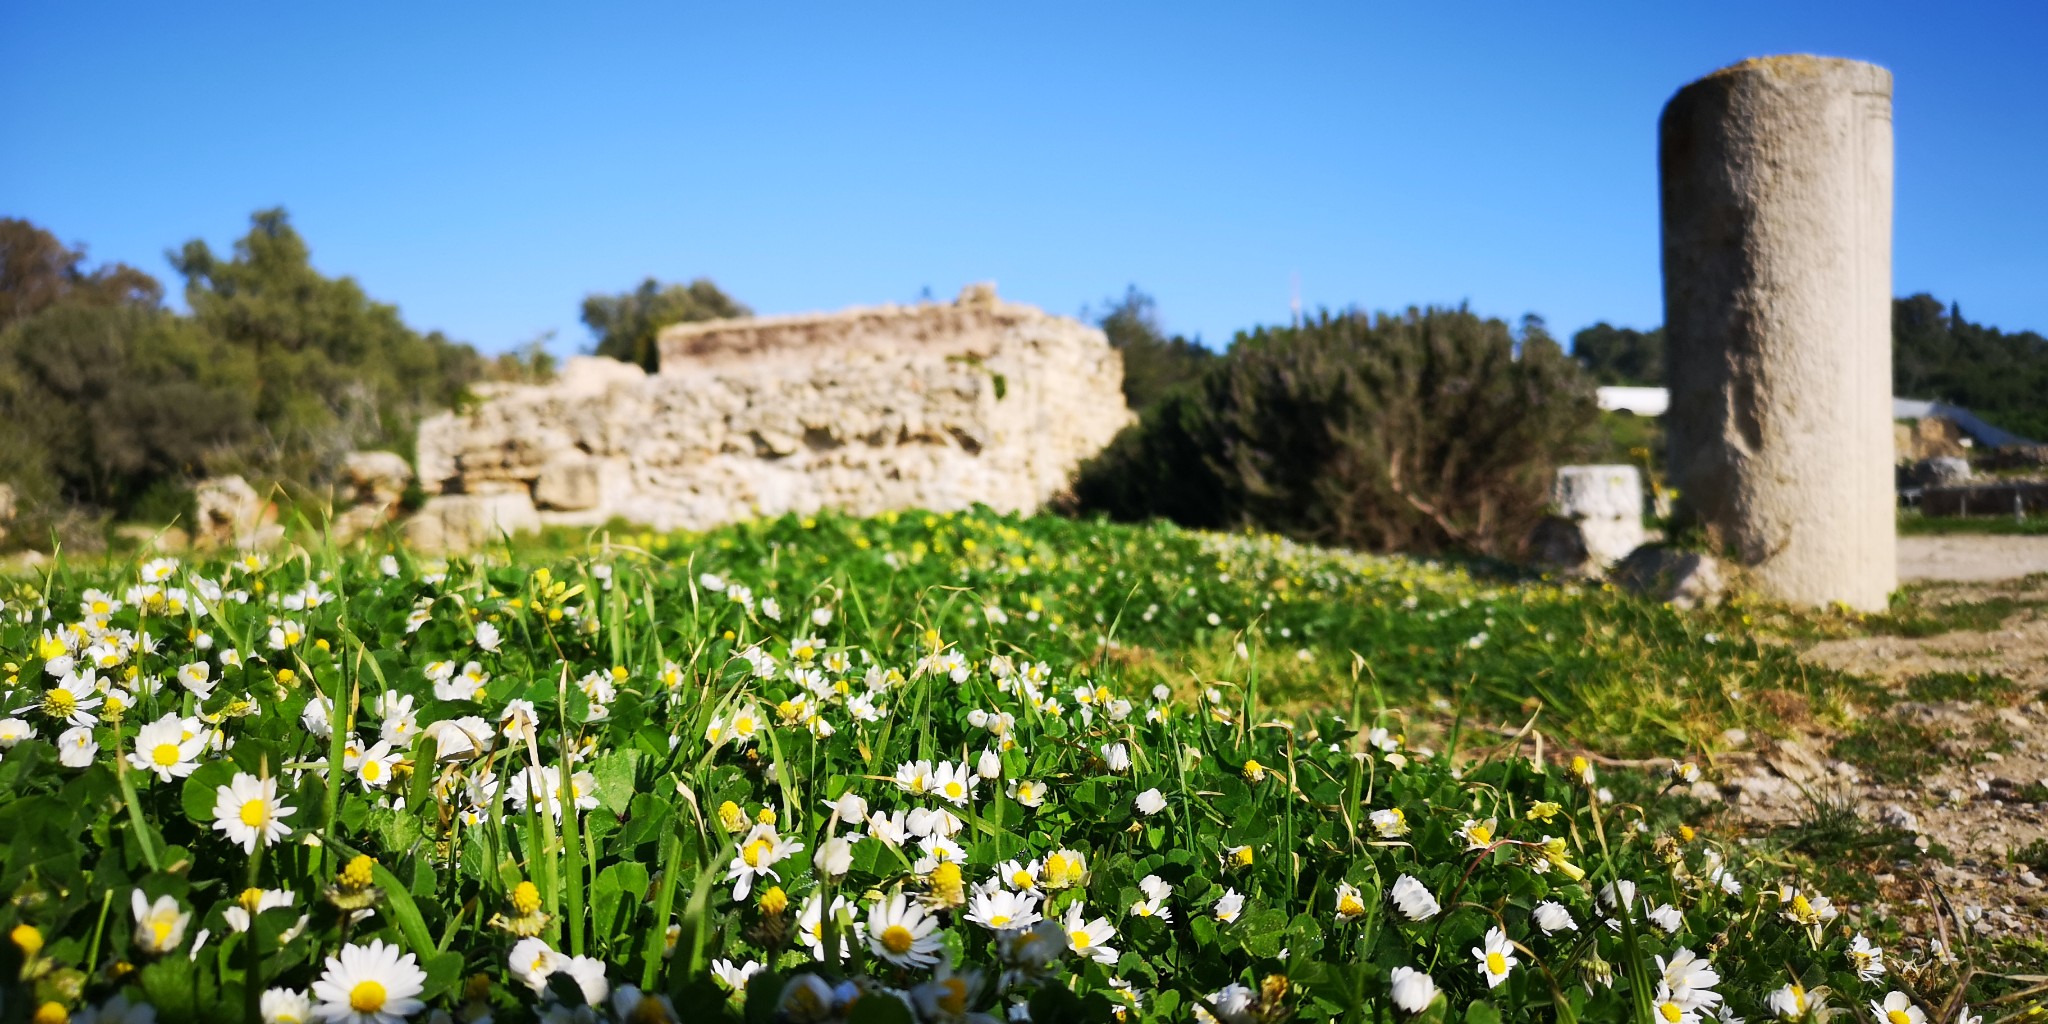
x,y
1000,767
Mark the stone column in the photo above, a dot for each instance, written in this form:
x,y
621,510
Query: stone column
x,y
1776,187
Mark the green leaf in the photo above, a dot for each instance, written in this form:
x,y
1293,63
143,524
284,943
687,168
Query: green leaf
x,y
200,790
616,899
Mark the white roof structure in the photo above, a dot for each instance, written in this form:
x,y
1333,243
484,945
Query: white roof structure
x,y
1657,401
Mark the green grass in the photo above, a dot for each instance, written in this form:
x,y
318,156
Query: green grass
x,y
1913,524
1269,699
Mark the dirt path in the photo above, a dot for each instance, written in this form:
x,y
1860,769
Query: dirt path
x,y
1971,558
1949,751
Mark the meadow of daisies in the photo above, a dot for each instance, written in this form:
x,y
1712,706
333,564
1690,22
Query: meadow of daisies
x,y
911,768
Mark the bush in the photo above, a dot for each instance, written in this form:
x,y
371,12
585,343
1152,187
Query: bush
x,y
1419,432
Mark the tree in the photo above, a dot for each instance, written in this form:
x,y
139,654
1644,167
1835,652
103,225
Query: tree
x,y
37,271
336,370
626,324
1418,431
1154,364
1621,355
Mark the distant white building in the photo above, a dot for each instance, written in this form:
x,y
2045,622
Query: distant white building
x,y
1639,401
1657,401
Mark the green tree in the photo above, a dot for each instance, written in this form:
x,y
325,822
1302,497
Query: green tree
x,y
1419,431
626,324
336,370
37,271
1154,364
1621,355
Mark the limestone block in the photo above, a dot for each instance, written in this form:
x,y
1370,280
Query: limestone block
x,y
228,509
376,478
577,484
1776,195
456,523
354,522
1941,471
1604,504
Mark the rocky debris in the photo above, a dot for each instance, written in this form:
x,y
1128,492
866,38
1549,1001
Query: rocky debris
x,y
466,522
1941,471
1683,579
938,406
1930,437
231,514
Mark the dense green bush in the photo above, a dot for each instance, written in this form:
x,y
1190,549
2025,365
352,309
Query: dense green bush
x,y
1428,430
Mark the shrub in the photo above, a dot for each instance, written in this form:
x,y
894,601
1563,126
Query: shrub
x,y
1423,431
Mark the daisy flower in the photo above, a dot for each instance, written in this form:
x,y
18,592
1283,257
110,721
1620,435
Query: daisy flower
x,y
954,783
375,766
1413,899
1898,1008
1003,909
1413,990
1496,958
900,932
1350,903
758,854
159,926
370,984
285,1006
247,809
1086,937
1390,824
73,699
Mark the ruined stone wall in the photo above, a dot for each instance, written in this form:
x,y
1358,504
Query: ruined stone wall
x,y
928,406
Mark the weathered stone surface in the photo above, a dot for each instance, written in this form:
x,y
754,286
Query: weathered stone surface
x,y
936,405
465,522
228,512
1605,503
7,502
377,478
1557,543
1776,197
1684,579
356,521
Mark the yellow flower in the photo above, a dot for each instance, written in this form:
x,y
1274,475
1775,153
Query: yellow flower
x,y
946,886
775,901
1241,856
1543,811
731,818
51,1013
28,938
1254,771
525,898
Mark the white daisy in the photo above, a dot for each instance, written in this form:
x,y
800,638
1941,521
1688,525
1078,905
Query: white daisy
x,y
247,809
900,932
159,926
370,984
1496,958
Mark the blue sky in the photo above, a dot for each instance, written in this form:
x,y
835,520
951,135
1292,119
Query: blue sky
x,y
485,167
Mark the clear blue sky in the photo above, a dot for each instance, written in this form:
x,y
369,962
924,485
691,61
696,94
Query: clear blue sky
x,y
485,167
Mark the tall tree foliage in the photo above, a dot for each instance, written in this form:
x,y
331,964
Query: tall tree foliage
x,y
1621,355
627,323
1420,431
336,370
1154,365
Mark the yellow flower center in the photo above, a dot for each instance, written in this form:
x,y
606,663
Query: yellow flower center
x,y
1481,834
1898,1017
954,790
754,852
160,931
897,939
1079,938
954,999
1496,964
366,997
59,702
1349,905
1021,879
998,920
165,754
373,769
250,898
1670,1011
255,813
52,1013
525,898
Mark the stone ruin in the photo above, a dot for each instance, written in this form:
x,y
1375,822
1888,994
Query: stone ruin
x,y
1776,198
938,406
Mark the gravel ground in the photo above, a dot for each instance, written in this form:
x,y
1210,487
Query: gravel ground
x,y
1975,559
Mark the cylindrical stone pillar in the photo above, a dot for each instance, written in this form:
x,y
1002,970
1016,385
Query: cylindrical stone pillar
x,y
1776,187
